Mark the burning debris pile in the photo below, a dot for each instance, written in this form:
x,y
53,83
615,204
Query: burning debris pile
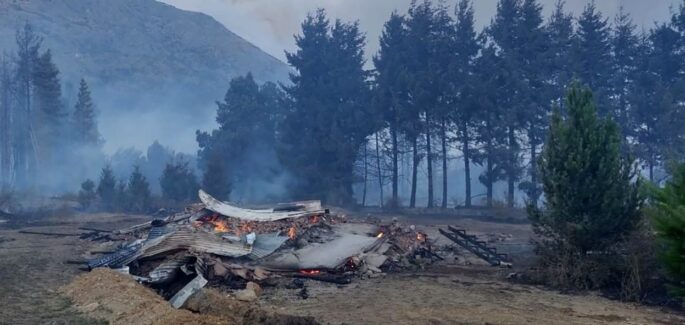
x,y
231,247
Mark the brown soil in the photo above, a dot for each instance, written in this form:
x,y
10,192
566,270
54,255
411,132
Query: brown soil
x,y
33,268
468,296
116,298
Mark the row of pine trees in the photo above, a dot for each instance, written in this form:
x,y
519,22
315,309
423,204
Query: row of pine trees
x,y
43,142
441,91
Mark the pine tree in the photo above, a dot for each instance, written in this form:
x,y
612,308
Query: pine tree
x,y
591,198
25,151
138,192
463,65
560,31
668,213
506,32
429,53
390,91
215,180
327,122
50,114
178,182
156,158
654,98
248,119
592,54
87,194
107,187
85,128
491,132
6,125
624,43
122,200
443,53
534,105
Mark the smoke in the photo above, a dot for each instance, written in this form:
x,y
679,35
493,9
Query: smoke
x,y
271,24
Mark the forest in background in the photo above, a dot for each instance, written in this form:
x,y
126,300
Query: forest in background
x,y
441,95
440,92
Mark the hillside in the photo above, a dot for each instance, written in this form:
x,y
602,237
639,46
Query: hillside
x,y
140,56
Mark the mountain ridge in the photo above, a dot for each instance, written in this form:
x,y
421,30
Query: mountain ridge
x,y
141,56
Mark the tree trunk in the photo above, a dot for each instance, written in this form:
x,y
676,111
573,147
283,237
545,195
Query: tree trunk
x,y
429,162
443,132
511,178
414,172
395,172
380,171
5,122
467,165
366,151
534,173
489,175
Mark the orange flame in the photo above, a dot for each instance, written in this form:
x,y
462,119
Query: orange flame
x,y
314,219
380,235
292,232
219,224
420,236
310,272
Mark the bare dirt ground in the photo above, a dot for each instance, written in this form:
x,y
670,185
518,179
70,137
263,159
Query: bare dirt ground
x,y
33,269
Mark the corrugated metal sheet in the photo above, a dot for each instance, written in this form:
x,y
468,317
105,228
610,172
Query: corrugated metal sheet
x,y
266,244
168,269
196,241
228,210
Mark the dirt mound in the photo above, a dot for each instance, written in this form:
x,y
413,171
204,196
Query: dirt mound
x,y
117,298
211,302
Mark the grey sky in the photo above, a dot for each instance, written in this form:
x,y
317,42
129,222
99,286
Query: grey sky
x,y
271,24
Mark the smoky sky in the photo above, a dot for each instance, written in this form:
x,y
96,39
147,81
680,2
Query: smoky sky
x,y
271,24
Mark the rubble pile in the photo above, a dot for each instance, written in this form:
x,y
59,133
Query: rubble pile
x,y
238,248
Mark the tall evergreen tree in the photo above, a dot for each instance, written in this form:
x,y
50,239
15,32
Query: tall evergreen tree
x,y
560,31
591,198
534,104
25,151
668,213
430,37
491,131
624,44
6,126
655,97
178,182
443,53
138,192
106,189
327,123
84,123
592,54
50,114
390,91
216,180
506,32
248,119
462,68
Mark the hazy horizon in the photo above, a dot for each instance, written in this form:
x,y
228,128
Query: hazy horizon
x,y
271,25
